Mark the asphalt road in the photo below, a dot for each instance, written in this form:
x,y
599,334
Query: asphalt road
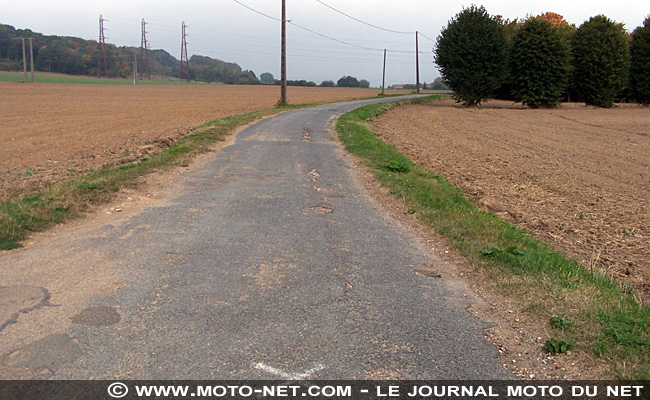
x,y
271,262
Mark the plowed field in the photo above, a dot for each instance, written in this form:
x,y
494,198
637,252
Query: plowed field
x,y
576,177
49,131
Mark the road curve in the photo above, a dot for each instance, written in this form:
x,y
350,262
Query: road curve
x,y
270,263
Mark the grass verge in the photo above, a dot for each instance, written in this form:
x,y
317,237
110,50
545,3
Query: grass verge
x,y
586,311
69,199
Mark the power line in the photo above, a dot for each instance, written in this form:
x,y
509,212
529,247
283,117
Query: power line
x,y
348,47
425,36
254,10
167,28
334,39
298,47
322,35
340,41
363,22
351,44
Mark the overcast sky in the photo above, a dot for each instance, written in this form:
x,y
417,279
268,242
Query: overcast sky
x,y
228,31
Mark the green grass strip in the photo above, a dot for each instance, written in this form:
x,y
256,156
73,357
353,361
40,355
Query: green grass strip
x,y
597,315
69,199
38,211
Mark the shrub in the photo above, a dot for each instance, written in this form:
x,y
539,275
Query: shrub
x,y
348,81
471,55
601,61
397,166
538,64
640,63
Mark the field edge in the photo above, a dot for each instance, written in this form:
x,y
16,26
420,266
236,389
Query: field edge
x,y
584,311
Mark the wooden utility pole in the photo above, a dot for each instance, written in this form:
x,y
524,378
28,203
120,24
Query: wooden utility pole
x,y
24,62
417,62
31,57
383,80
283,56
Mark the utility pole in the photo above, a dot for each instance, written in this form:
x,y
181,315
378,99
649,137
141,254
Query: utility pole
x,y
283,57
135,70
383,80
185,62
417,63
144,51
101,49
24,62
31,57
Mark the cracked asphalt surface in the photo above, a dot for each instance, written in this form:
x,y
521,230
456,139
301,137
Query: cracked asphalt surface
x,y
270,262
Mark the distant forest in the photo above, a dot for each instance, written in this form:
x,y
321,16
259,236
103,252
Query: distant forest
x,y
76,56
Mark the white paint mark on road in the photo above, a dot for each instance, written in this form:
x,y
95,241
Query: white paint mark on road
x,y
289,375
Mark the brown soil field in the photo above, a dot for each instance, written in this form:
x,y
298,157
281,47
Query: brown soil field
x,y
576,177
49,131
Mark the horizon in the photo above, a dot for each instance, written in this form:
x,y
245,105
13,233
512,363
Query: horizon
x,y
322,43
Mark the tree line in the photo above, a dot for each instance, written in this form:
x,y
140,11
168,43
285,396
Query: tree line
x,y
345,81
76,56
543,60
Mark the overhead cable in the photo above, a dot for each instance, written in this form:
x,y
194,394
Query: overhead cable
x,y
363,22
322,35
254,10
425,36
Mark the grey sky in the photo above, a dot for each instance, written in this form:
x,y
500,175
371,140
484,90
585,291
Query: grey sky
x,y
224,29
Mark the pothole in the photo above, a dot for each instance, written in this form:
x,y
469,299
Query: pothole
x,y
97,316
47,353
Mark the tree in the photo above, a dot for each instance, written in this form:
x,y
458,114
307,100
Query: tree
x,y
601,59
567,31
267,78
538,64
348,81
471,55
364,83
438,84
640,63
327,84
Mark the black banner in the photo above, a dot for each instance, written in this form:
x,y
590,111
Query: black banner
x,y
72,390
